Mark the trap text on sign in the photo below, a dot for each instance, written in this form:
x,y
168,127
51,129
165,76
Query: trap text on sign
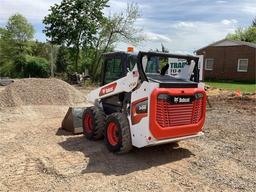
x,y
175,65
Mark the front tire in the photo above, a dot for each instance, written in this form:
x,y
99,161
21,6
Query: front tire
x,y
117,133
94,120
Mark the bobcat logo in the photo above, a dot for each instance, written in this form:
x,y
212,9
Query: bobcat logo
x,y
176,99
181,100
108,89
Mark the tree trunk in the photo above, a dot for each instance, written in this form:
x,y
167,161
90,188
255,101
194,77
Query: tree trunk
x,y
77,51
51,61
77,58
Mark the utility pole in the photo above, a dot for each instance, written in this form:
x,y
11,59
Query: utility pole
x,y
51,60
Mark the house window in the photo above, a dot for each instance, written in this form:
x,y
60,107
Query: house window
x,y
209,64
242,65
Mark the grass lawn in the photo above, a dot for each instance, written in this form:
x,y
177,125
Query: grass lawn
x,y
243,87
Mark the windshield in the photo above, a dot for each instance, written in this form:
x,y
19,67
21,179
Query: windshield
x,y
153,65
156,65
168,65
165,65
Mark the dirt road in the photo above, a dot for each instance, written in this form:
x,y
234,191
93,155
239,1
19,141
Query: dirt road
x,y
35,155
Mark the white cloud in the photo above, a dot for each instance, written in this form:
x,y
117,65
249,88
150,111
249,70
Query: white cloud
x,y
250,9
221,1
199,36
229,21
183,24
150,36
185,39
33,10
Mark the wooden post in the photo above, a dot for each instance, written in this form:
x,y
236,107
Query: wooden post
x,y
51,61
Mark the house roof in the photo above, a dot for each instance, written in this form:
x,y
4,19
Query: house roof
x,y
228,42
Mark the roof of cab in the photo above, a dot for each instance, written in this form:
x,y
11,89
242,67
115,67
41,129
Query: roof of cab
x,y
120,52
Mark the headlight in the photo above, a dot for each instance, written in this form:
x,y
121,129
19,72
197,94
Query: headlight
x,y
163,96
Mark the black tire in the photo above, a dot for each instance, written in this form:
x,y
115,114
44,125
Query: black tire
x,y
123,135
98,120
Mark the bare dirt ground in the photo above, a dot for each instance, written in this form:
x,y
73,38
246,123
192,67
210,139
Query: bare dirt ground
x,y
36,155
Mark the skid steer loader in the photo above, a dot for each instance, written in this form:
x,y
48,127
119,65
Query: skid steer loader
x,y
139,105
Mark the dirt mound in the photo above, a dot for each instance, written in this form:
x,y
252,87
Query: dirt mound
x,y
35,91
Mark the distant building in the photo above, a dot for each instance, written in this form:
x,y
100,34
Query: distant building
x,y
229,60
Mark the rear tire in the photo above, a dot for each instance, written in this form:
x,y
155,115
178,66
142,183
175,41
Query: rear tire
x,y
117,133
94,120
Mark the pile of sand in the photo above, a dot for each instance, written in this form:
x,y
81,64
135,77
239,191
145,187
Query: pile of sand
x,y
35,91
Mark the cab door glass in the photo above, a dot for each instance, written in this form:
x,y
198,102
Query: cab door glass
x,y
132,60
113,70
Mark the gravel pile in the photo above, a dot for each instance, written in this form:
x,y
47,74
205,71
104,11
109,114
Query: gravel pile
x,y
35,91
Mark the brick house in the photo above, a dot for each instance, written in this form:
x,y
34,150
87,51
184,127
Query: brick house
x,y
229,60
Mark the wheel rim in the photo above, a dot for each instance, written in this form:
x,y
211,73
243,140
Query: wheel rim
x,y
88,123
112,133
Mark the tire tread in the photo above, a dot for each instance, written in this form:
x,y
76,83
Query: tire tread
x,y
126,144
99,121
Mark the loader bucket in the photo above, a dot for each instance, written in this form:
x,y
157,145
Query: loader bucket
x,y
72,121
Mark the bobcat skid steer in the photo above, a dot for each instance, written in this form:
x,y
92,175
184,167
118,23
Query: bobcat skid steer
x,y
140,105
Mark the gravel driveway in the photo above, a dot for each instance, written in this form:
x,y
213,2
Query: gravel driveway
x,y
35,155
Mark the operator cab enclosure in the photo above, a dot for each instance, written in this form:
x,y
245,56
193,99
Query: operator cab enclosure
x,y
116,65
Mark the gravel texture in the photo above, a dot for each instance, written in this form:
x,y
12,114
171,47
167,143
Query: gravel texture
x,y
34,91
35,155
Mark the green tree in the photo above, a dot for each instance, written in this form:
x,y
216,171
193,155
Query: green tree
x,y
62,60
36,67
15,42
19,32
26,66
47,51
254,22
115,28
244,34
74,23
41,49
19,28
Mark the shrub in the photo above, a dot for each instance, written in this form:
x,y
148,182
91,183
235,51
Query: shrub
x,y
36,67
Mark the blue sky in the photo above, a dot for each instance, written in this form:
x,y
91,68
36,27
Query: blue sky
x,y
181,25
